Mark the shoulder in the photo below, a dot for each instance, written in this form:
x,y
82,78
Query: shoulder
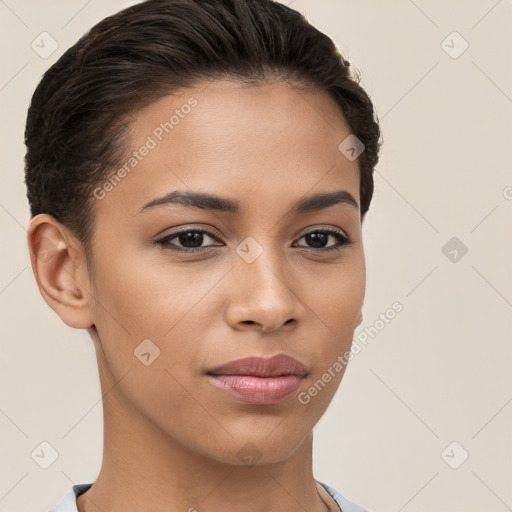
x,y
344,503
68,501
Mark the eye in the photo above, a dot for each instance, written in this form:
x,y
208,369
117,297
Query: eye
x,y
191,240
319,238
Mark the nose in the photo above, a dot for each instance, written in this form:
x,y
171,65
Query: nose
x,y
261,294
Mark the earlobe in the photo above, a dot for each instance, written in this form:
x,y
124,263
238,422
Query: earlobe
x,y
360,317
58,264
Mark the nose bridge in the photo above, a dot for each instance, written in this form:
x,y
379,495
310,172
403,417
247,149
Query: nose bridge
x,y
262,283
260,265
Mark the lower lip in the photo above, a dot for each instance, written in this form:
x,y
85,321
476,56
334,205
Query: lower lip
x,y
258,390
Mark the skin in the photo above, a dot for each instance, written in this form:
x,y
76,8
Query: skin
x,y
171,439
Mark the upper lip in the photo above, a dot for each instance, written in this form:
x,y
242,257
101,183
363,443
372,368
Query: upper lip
x,y
279,364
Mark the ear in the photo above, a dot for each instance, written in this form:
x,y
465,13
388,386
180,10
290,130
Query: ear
x,y
360,317
59,266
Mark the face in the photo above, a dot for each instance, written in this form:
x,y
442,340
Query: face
x,y
182,287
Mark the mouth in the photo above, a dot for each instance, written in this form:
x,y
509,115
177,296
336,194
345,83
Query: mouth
x,y
259,380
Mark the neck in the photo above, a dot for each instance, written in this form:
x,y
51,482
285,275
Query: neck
x,y
143,468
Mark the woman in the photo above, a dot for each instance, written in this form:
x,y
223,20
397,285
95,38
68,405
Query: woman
x,y
198,172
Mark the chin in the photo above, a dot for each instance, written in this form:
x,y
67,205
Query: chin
x,y
254,449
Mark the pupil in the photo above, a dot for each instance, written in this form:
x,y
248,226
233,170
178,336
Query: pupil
x,y
317,239
191,237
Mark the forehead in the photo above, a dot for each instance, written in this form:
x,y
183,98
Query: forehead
x,y
258,143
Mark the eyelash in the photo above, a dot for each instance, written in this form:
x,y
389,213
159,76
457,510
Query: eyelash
x,y
343,240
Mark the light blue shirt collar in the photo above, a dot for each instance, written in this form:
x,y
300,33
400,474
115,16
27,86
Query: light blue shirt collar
x,y
68,501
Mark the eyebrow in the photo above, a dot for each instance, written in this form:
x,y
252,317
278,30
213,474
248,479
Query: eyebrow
x,y
212,202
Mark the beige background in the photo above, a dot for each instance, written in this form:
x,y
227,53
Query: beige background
x,y
438,372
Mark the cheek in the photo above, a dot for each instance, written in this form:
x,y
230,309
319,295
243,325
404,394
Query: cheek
x,y
148,298
171,306
335,310
149,314
335,299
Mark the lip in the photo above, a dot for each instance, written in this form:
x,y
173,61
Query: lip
x,y
259,380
